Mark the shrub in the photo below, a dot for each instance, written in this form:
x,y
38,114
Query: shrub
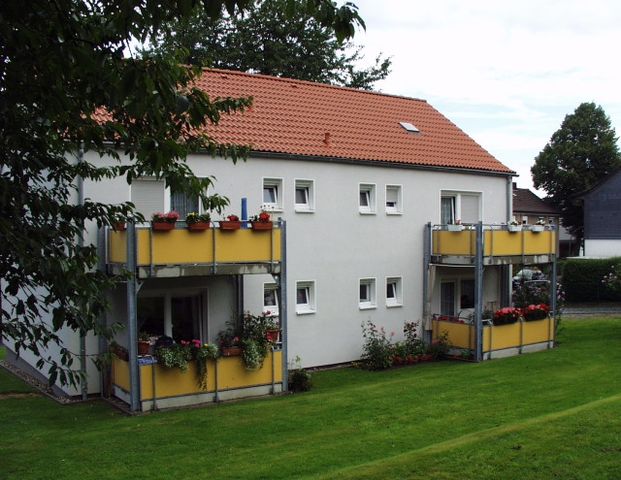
x,y
582,280
377,350
300,379
440,347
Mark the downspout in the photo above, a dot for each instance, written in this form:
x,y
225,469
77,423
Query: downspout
x,y
282,308
83,379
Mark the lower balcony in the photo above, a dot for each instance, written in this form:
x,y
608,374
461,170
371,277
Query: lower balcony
x,y
498,340
226,379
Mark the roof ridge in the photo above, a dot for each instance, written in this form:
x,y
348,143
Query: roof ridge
x,y
309,82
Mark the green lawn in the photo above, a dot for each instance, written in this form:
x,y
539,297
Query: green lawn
x,y
555,414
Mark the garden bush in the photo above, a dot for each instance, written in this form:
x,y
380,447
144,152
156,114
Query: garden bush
x,y
582,280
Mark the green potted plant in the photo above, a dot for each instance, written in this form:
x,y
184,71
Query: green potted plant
x,y
164,222
231,223
514,226
202,353
198,222
176,355
262,221
539,226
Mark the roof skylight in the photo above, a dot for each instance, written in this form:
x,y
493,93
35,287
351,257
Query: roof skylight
x,y
409,127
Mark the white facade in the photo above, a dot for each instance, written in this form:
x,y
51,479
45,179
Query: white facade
x,y
602,248
350,225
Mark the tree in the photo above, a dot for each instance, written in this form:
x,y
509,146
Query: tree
x,y
66,87
270,39
579,154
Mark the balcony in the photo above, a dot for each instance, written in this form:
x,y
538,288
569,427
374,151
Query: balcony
x,y
498,340
500,246
181,252
227,379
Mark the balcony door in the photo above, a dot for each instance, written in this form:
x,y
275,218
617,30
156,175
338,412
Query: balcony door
x,y
178,316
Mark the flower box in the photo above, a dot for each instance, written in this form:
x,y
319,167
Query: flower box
x,y
536,228
454,227
143,347
162,226
262,225
230,225
198,226
514,228
231,351
272,335
119,226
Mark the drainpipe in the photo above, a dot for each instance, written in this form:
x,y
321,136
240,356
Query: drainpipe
x,y
244,212
426,286
509,198
132,319
282,308
84,381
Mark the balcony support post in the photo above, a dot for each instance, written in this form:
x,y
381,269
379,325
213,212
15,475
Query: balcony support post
x,y
426,287
478,292
554,281
282,308
132,319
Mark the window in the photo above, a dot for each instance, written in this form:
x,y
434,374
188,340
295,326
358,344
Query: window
x,y
366,297
304,297
367,198
270,298
183,203
393,199
394,296
465,207
466,299
272,194
447,212
304,196
447,298
149,196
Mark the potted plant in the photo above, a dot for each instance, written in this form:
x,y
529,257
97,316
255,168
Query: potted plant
x,y
144,343
176,355
262,221
506,316
535,312
163,222
272,329
229,341
455,227
514,226
202,353
231,223
539,226
197,222
119,225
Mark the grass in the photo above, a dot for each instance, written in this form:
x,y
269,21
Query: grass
x,y
553,414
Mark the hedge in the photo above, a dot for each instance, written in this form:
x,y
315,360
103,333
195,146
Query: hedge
x,y
582,279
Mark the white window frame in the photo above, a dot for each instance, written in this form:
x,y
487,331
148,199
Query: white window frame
x,y
273,309
371,302
277,184
398,208
457,202
397,300
310,306
309,185
370,190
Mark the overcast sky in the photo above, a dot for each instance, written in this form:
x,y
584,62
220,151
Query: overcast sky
x,y
506,73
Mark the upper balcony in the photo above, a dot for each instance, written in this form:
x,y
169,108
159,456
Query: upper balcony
x,y
181,252
502,244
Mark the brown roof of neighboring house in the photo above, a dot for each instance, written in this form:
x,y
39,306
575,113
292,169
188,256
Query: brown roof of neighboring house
x,y
525,201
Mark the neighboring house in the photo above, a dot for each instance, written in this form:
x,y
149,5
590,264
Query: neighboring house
x,y
602,218
528,208
359,177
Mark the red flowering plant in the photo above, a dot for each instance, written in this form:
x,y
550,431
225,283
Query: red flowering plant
x,y
506,316
169,217
232,218
535,312
262,217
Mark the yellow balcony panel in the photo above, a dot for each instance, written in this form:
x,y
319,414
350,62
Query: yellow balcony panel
x,y
497,243
538,331
182,247
160,382
499,337
460,335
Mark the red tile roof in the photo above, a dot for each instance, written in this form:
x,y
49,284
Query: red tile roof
x,y
303,118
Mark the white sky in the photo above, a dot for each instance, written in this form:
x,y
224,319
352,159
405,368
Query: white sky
x,y
506,73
